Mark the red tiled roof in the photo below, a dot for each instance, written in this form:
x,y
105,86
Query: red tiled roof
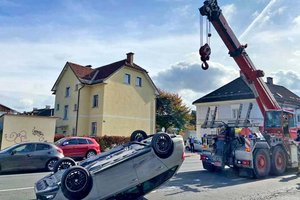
x,y
79,70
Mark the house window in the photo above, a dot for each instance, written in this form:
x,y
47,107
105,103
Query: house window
x,y
66,112
298,118
95,100
67,91
57,106
94,128
75,107
138,81
127,79
76,87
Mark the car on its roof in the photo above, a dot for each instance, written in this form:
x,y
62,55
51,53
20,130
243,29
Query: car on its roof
x,y
78,147
127,171
30,156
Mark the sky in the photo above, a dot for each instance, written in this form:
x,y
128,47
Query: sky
x,y
37,38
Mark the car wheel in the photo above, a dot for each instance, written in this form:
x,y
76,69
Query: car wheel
x,y
261,163
162,145
63,163
138,136
208,166
187,148
76,183
278,161
90,153
51,164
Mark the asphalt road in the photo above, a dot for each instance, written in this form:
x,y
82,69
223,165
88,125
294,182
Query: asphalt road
x,y
191,182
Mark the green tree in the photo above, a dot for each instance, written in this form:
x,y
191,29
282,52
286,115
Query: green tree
x,y
171,112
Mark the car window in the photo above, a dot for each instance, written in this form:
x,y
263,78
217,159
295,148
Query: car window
x,y
72,141
82,141
25,148
90,141
41,147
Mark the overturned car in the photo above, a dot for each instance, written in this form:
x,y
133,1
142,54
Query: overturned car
x,y
128,171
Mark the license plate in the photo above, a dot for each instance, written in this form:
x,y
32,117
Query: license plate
x,y
218,164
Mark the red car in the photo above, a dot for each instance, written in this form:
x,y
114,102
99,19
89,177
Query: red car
x,y
78,147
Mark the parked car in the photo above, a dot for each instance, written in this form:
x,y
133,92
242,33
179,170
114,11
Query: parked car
x,y
197,145
127,171
79,147
30,156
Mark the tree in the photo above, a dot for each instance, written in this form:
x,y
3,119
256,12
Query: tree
x,y
171,112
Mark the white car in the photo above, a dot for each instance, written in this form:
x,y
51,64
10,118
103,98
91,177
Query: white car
x,y
197,145
126,172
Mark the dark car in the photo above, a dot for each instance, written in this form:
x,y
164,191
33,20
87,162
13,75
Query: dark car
x,y
79,147
30,156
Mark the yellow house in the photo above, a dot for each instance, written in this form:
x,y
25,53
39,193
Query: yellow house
x,y
114,99
16,129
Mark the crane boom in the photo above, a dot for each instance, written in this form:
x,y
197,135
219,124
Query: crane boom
x,y
251,75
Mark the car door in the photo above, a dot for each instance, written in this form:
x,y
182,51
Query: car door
x,y
82,147
69,147
41,155
20,158
115,179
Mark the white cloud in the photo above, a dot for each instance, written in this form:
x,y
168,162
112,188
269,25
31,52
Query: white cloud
x,y
229,11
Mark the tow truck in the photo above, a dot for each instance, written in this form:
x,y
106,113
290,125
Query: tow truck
x,y
238,144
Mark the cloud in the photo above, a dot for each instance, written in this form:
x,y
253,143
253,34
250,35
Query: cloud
x,y
190,76
229,11
289,79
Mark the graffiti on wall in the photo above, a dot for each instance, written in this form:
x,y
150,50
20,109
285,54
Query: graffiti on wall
x,y
39,134
16,137
19,137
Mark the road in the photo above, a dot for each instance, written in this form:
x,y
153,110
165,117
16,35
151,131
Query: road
x,y
191,182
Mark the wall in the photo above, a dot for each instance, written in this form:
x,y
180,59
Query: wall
x,y
68,80
23,128
128,107
224,113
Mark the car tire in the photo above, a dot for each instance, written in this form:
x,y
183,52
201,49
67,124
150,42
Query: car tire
x,y
187,148
138,136
76,183
208,166
162,145
63,163
261,163
90,153
278,161
51,164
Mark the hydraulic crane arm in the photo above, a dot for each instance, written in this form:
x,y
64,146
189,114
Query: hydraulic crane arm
x,y
252,76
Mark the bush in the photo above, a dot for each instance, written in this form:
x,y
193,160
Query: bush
x,y
106,142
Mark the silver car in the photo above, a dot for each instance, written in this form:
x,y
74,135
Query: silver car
x,y
126,172
29,156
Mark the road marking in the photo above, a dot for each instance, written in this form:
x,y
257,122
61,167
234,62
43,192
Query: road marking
x,y
16,189
30,174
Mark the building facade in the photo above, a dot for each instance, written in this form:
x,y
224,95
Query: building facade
x,y
114,99
224,104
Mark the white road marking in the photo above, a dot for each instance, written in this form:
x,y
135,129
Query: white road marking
x,y
30,174
16,189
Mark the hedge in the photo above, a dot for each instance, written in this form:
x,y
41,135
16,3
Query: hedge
x,y
105,142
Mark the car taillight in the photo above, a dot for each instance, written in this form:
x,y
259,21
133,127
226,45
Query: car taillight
x,y
183,156
203,157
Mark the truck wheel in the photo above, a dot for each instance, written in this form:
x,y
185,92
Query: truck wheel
x,y
278,161
162,145
63,163
209,167
261,163
76,183
138,136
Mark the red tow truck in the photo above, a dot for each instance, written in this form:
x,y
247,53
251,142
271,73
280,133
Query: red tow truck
x,y
270,151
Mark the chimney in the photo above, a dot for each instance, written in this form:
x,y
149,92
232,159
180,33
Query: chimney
x,y
270,80
130,58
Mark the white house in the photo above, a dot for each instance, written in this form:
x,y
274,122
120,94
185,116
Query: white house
x,y
225,103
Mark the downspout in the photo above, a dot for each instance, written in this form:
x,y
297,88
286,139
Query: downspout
x,y
77,112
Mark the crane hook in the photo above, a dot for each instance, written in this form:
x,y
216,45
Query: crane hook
x,y
204,52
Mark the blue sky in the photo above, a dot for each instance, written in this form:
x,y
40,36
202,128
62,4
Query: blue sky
x,y
37,37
